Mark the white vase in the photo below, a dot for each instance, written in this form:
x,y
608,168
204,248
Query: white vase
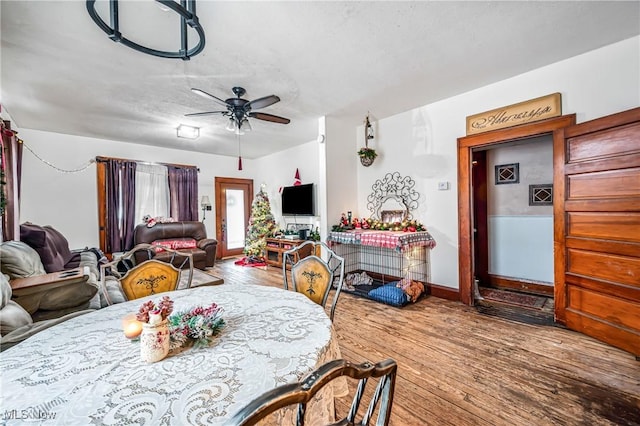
x,y
154,341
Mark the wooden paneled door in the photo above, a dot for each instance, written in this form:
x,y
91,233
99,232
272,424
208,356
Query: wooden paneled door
x,y
233,208
597,228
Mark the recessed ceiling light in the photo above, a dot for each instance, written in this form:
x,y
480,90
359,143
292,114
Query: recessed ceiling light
x,y
188,132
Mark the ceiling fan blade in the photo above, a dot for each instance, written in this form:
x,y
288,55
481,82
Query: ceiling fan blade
x,y
196,114
208,96
261,102
269,117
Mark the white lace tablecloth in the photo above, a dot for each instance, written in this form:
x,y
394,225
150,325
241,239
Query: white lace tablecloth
x,y
84,371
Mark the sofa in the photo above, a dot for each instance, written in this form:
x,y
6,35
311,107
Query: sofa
x,y
190,237
54,255
44,250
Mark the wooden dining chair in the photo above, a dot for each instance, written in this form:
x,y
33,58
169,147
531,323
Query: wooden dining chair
x,y
147,278
313,276
302,392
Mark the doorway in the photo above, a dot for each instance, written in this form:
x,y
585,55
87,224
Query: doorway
x,y
513,229
466,147
233,207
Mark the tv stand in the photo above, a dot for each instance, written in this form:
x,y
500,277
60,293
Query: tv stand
x,y
276,247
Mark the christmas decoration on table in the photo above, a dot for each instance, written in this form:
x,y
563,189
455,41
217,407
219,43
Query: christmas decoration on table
x,y
197,325
315,234
261,225
377,225
151,311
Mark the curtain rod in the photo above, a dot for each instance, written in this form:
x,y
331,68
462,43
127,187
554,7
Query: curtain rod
x,y
100,159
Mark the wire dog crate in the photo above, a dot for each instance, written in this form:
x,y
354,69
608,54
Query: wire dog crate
x,y
390,255
390,264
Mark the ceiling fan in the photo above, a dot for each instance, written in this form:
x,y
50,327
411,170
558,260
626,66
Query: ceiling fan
x,y
239,110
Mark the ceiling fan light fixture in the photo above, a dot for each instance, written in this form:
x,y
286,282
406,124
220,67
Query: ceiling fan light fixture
x,y
231,125
245,125
188,132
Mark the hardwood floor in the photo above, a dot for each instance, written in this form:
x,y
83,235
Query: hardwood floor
x,y
457,366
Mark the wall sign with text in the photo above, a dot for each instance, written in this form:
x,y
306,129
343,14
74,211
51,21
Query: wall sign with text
x,y
513,115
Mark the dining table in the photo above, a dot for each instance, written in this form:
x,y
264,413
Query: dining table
x,y
85,371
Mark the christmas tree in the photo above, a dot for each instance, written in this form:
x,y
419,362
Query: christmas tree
x,y
261,225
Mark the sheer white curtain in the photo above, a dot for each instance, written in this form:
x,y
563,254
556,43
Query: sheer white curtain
x,y
152,191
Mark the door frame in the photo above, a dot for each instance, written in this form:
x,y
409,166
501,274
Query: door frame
x,y
466,144
219,182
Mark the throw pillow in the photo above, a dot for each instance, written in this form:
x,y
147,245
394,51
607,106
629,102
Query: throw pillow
x,y
389,294
18,260
175,244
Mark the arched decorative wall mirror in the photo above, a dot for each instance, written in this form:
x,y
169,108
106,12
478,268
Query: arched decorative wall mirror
x,y
393,198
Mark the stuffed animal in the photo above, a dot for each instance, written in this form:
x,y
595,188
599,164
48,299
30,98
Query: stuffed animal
x,y
413,289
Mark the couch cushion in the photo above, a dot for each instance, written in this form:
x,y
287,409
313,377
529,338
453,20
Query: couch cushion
x,y
5,291
12,316
18,260
50,244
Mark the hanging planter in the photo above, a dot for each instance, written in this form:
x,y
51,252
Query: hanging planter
x,y
367,155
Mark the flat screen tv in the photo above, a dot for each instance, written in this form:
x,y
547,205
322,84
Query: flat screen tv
x,y
298,200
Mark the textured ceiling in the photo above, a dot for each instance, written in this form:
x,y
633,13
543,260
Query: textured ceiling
x,y
61,73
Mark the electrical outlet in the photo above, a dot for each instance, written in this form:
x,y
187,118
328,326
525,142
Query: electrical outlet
x,y
443,186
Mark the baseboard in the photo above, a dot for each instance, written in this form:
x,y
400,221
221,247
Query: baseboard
x,y
528,286
443,292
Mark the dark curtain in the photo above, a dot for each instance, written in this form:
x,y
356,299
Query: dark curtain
x,y
11,163
183,190
121,192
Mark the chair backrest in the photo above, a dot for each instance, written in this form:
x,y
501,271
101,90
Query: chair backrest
x,y
313,276
148,277
302,392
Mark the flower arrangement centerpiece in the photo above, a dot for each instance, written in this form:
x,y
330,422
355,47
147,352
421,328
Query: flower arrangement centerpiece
x,y
198,325
154,313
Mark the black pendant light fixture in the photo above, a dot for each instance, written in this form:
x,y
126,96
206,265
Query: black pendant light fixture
x,y
187,11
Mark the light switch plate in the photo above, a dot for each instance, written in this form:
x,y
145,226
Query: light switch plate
x,y
443,186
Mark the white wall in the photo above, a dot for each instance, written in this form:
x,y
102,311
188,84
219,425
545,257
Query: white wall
x,y
279,169
68,201
341,179
521,247
422,143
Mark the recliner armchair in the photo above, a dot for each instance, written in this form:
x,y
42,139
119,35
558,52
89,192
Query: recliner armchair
x,y
190,237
